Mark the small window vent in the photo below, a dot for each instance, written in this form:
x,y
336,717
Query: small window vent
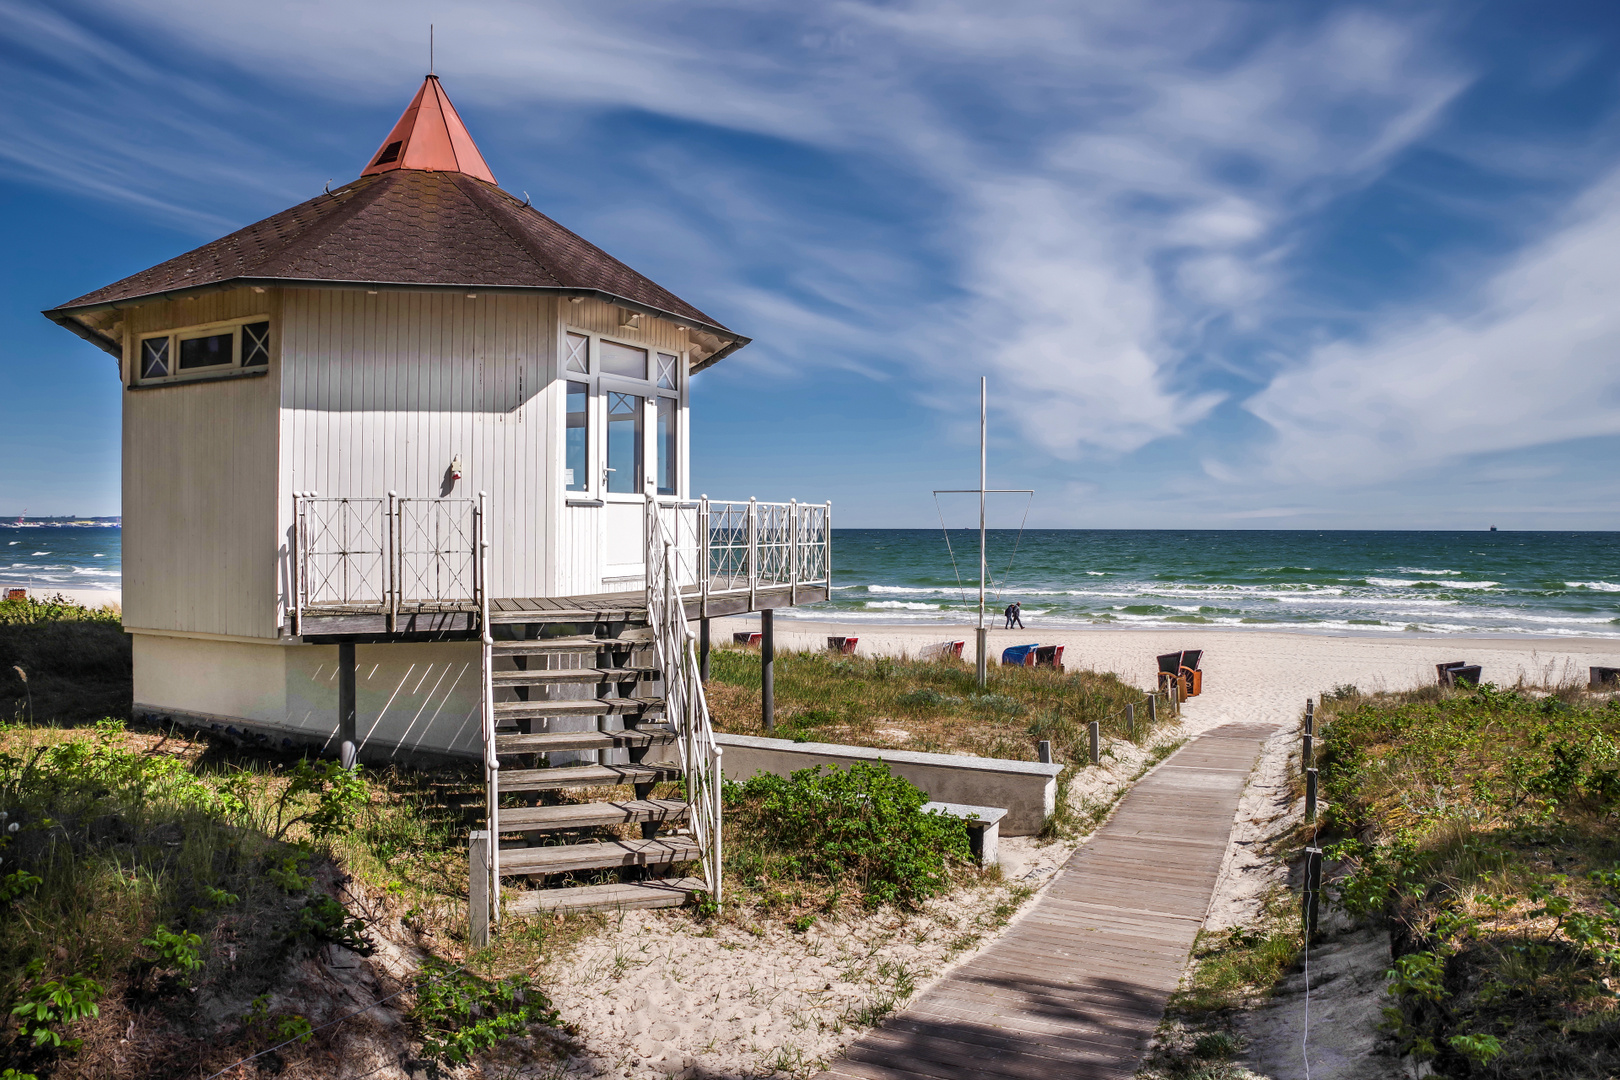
x,y
390,154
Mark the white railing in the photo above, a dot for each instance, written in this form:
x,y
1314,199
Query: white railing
x,y
685,706
387,556
486,700
733,548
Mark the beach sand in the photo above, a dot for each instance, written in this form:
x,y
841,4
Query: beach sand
x,y
1255,676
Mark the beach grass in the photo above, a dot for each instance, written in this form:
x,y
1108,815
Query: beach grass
x,y
926,705
62,663
1480,825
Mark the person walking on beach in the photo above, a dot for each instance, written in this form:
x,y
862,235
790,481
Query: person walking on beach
x,y
1012,614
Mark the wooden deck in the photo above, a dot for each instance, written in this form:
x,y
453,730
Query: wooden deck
x,y
1076,987
450,623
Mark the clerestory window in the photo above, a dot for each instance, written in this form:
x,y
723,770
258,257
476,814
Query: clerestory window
x,y
181,355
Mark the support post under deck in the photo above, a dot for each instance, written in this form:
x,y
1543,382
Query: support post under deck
x,y
348,752
703,651
767,665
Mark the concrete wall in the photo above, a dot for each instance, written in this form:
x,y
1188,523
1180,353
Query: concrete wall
x,y
1027,790
412,700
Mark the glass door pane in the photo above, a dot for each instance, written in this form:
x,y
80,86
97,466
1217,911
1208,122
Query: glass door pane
x,y
576,457
668,410
624,443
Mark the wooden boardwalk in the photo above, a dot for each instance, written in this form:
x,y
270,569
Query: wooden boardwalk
x,y
1075,988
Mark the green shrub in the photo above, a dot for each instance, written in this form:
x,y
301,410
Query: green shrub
x,y
458,1014
53,1004
864,826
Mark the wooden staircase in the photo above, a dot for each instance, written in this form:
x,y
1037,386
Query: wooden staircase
x,y
575,703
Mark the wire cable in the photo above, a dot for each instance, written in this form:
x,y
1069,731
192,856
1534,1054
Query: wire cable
x,y
1016,542
940,510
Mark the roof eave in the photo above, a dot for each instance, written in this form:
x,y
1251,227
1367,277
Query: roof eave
x,y
65,316
66,319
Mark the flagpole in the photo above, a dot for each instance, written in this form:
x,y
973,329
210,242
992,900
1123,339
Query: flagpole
x,y
983,636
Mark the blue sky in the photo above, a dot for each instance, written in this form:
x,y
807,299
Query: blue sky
x,y
1226,265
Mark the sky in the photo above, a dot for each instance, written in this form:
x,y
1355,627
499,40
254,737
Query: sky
x,y
1223,264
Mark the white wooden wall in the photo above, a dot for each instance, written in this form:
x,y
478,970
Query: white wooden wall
x,y
380,392
199,487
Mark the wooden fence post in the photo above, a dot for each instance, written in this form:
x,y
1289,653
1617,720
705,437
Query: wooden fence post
x,y
1043,750
1310,796
478,888
1130,721
767,670
1307,753
1096,742
1310,716
1153,708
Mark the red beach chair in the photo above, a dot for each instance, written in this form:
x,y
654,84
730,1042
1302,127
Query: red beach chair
x,y
1049,656
745,637
845,645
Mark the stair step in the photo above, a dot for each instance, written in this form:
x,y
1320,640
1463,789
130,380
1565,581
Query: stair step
x,y
635,638
535,676
598,855
567,615
580,740
585,776
590,815
613,706
664,892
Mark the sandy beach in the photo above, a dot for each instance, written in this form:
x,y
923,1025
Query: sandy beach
x,y
1249,675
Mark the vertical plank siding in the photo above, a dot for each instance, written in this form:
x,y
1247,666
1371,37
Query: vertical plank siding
x,y
199,486
364,394
380,392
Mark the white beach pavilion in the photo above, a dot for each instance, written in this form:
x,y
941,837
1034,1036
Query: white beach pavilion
x,y
405,473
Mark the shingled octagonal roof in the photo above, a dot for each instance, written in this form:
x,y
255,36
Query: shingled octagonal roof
x,y
426,212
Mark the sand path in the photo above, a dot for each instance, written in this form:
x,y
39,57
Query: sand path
x,y
1076,986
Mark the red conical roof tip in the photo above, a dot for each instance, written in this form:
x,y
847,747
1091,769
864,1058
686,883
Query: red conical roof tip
x,y
430,136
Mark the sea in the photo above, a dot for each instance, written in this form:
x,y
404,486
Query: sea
x,y
52,555
1558,584
1563,584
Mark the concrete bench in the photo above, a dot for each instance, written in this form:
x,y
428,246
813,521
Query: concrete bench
x,y
984,826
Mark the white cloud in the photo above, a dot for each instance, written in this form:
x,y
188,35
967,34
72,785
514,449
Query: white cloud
x,y
1532,359
1113,177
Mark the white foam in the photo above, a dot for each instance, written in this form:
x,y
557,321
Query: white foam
x,y
1595,586
899,605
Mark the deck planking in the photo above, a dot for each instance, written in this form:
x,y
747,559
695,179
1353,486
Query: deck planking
x,y
1076,986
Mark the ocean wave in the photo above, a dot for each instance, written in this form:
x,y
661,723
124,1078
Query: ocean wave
x,y
41,553
899,605
1595,586
1427,573
1401,583
1097,573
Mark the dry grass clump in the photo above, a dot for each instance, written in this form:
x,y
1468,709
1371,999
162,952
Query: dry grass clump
x,y
928,705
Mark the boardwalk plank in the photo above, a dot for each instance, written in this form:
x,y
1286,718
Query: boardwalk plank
x,y
1076,987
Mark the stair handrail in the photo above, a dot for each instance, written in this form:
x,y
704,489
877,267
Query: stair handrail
x,y
685,704
486,707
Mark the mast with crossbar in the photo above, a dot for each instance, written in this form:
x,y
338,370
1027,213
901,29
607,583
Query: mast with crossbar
x,y
981,666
